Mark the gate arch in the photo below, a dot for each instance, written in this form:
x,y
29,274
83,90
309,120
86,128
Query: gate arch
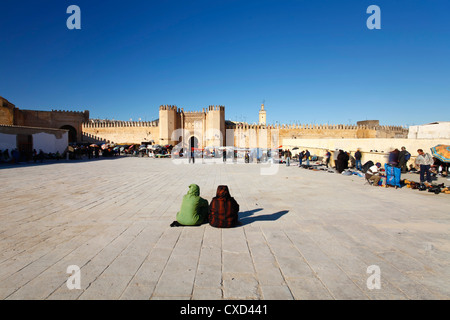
x,y
72,133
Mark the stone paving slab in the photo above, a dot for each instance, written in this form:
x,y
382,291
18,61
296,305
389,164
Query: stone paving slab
x,y
304,234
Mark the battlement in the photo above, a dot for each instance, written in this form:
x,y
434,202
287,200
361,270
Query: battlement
x,y
119,124
181,110
318,127
5,103
216,108
68,111
194,112
169,108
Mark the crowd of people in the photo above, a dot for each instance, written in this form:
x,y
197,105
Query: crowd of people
x,y
343,162
222,211
72,152
16,156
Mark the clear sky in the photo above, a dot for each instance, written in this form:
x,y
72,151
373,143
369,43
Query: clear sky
x,y
310,61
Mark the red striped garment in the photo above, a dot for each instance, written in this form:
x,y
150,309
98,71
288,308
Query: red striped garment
x,y
223,209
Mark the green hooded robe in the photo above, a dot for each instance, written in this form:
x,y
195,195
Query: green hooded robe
x,y
194,209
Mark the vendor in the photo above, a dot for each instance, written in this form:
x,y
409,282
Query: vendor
x,y
373,174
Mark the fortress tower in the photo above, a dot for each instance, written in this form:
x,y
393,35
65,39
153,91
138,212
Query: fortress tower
x,y
215,126
169,121
206,127
262,116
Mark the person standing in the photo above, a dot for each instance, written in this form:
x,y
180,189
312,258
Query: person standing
x,y
192,156
6,156
41,155
300,158
393,158
424,161
342,161
307,155
358,157
335,158
403,158
338,161
288,155
351,161
327,157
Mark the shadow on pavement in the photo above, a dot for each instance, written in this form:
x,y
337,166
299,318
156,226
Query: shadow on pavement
x,y
248,217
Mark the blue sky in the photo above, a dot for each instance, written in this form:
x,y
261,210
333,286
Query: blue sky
x,y
310,61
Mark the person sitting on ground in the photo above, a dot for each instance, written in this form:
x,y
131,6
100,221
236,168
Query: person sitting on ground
x,y
352,161
194,209
373,174
223,209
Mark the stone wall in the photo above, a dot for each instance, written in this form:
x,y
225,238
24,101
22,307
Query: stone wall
x,y
55,119
253,136
241,135
121,132
6,112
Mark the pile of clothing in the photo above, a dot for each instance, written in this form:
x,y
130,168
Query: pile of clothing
x,y
436,189
318,167
348,172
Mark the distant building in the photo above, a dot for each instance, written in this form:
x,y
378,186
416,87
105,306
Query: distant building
x,y
434,130
49,131
55,119
372,123
262,116
25,139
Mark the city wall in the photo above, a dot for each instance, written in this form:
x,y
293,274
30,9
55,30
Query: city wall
x,y
6,112
56,119
242,135
341,131
254,136
122,132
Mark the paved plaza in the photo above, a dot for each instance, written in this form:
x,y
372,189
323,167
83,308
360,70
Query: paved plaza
x,y
304,235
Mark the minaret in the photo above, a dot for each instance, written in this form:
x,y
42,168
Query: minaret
x,y
262,116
